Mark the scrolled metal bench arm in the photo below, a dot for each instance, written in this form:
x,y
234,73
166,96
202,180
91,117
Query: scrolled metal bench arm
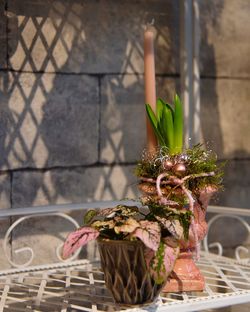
x,y
218,245
30,250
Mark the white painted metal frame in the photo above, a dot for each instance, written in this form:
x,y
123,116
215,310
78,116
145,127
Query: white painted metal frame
x,y
62,210
42,212
79,285
190,69
30,250
229,213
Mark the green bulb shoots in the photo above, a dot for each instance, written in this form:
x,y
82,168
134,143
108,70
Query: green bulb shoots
x,y
168,124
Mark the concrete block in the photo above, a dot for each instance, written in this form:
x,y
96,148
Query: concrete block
x,y
225,115
4,264
48,120
5,203
59,186
5,191
230,233
35,233
31,188
225,44
236,184
3,36
123,119
92,36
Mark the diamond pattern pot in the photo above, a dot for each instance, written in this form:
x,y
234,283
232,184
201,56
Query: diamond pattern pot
x,y
126,273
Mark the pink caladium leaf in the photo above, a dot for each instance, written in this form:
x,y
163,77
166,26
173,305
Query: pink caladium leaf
x,y
121,210
162,264
149,233
149,255
128,226
78,239
108,212
173,226
103,224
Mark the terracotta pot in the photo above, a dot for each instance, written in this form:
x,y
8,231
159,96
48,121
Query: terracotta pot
x,y
201,197
149,189
126,273
186,276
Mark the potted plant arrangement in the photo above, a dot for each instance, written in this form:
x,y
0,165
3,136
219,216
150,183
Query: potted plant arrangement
x,y
179,178
140,248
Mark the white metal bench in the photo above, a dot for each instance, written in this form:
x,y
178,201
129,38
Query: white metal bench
x,y
78,285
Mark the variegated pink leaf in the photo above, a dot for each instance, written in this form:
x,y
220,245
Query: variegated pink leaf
x,y
162,264
107,212
128,226
122,210
173,226
103,224
148,255
128,210
170,257
78,239
149,233
171,241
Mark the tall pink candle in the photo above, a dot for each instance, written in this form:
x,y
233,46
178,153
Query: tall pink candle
x,y
149,76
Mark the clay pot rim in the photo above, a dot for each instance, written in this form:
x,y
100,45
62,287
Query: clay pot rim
x,y
213,187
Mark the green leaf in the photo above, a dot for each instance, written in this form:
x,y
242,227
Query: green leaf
x,y
154,123
178,125
89,216
162,264
166,104
168,128
159,109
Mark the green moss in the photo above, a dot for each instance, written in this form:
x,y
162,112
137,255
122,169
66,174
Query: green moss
x,y
184,216
185,220
196,160
145,168
201,161
158,265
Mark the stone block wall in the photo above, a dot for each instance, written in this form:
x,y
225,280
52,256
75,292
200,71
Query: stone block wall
x,y
225,95
72,120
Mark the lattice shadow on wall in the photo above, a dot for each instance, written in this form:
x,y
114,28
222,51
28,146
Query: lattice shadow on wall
x,y
58,37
